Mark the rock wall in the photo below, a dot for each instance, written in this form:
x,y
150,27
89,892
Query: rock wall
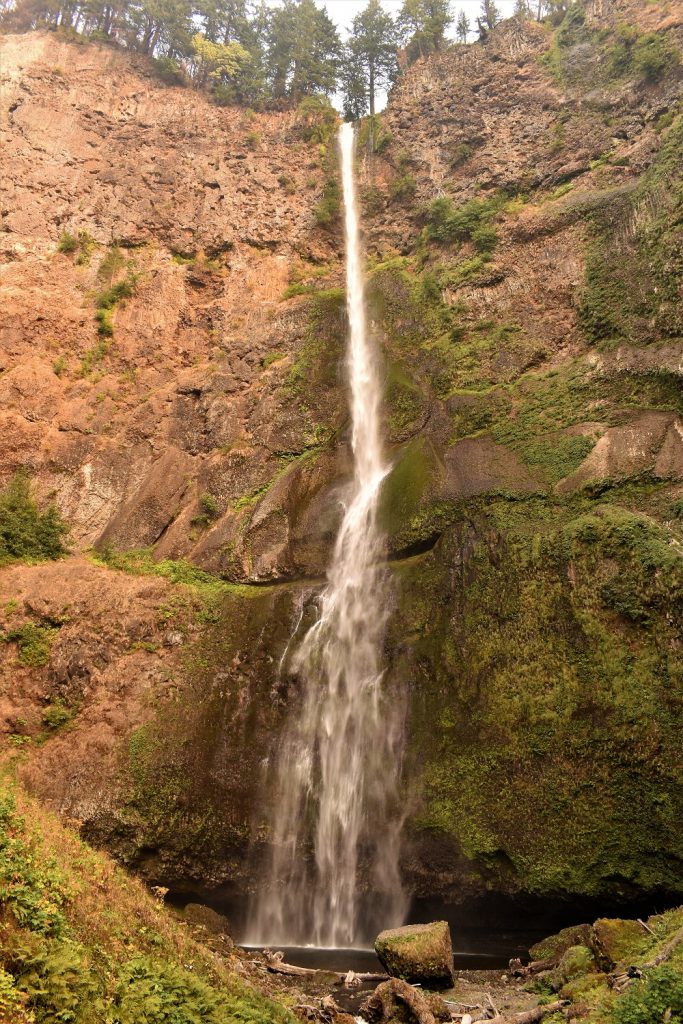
x,y
531,337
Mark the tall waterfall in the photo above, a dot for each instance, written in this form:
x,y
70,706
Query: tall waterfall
x,y
339,761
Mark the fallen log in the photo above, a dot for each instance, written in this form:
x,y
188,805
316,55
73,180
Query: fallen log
x,y
666,952
385,996
622,979
535,1015
276,964
535,967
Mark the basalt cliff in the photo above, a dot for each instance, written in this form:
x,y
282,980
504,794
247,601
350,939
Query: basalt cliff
x,y
171,378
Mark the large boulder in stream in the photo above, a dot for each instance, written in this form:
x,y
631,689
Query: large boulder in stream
x,y
418,953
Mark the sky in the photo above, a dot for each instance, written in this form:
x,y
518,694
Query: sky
x,y
343,12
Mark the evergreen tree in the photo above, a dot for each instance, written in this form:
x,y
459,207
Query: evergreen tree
x,y
370,58
304,52
423,24
462,28
522,9
489,14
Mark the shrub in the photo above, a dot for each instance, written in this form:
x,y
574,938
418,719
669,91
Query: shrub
x,y
653,999
253,140
287,183
34,642
169,71
56,715
317,119
68,243
654,56
327,210
26,532
403,187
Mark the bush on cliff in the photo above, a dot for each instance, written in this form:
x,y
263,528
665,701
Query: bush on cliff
x,y
26,533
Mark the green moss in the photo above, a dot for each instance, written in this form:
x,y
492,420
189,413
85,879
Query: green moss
x,y
633,277
525,669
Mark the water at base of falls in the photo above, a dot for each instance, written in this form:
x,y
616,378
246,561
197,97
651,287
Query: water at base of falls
x,y
333,873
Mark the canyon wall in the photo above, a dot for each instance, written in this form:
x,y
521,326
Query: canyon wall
x,y
172,380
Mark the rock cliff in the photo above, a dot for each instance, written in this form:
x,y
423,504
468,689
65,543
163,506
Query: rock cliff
x,y
170,350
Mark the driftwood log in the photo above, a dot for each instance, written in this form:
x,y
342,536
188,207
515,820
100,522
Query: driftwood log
x,y
276,965
535,1015
518,969
384,998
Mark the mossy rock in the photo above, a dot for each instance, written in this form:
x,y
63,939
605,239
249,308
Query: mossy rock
x,y
556,945
418,953
579,988
618,940
575,962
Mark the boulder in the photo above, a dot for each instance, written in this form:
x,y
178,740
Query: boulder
x,y
618,940
555,945
418,953
205,917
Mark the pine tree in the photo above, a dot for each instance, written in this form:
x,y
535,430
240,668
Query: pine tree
x,y
304,51
489,14
423,24
370,57
462,28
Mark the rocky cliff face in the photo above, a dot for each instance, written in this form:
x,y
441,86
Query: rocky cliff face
x,y
173,381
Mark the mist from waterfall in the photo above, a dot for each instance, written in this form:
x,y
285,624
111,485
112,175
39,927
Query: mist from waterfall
x,y
339,762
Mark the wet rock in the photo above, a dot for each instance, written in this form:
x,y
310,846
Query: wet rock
x,y
418,953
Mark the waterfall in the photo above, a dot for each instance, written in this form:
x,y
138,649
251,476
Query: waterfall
x,y
339,761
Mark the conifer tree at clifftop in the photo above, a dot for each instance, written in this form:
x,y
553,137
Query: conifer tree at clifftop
x,y
422,25
370,60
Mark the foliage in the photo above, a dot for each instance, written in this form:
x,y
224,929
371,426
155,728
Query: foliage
x,y
317,119
422,25
26,533
84,944
471,222
655,998
634,264
370,61
33,641
328,209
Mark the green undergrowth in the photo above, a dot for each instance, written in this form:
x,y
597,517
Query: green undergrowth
x,y
27,533
634,265
33,640
84,943
141,562
549,657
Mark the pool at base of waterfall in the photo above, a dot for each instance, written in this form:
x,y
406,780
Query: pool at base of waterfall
x,y
364,961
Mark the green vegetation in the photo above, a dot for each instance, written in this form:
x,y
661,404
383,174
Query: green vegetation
x,y
84,944
328,209
546,678
83,243
649,56
633,278
33,642
471,222
27,533
141,562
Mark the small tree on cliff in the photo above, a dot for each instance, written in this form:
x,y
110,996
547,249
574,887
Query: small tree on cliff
x,y
422,25
490,15
462,27
219,63
370,56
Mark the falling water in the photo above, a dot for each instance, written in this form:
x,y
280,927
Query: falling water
x,y
339,762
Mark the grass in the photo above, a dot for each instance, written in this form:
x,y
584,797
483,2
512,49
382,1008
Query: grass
x,y
33,642
86,944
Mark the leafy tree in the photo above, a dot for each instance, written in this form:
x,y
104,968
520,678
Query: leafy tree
x,y
522,9
462,28
222,63
370,57
25,531
422,25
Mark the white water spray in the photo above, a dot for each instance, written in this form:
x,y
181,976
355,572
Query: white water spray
x,y
339,763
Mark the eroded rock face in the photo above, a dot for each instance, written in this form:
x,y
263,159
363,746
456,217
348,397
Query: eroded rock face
x,y
418,953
